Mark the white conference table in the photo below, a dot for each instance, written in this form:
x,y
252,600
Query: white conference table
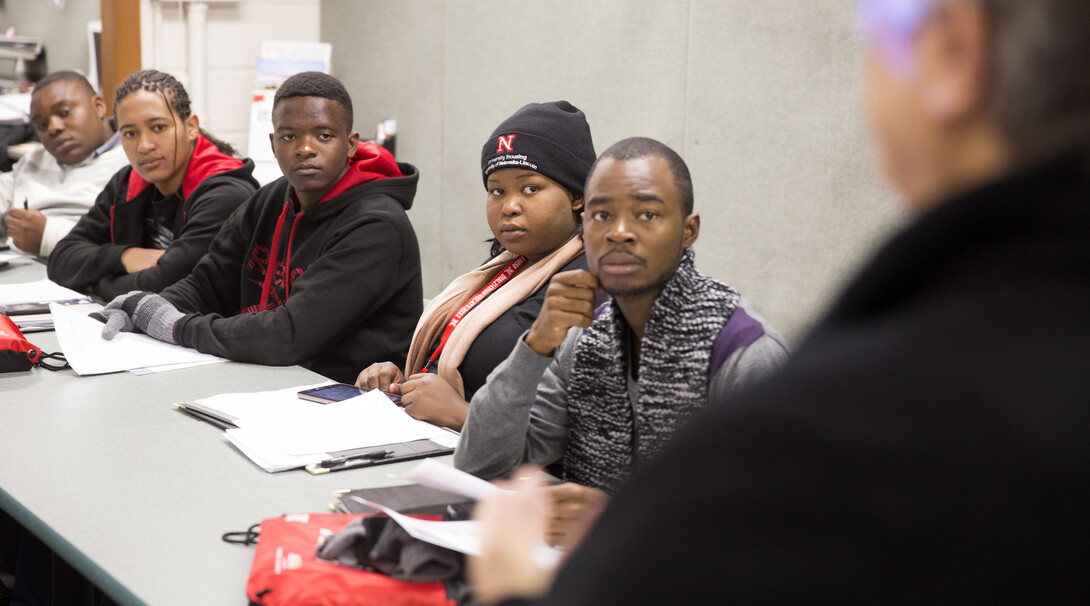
x,y
134,494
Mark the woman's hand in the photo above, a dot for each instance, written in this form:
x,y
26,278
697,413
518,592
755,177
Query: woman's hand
x,y
383,376
428,397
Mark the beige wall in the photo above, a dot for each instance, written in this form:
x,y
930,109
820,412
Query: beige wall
x,y
763,99
63,31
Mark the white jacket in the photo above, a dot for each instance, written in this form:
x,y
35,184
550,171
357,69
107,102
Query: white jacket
x,y
63,193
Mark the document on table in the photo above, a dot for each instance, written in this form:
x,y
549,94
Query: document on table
x,y
278,431
41,291
88,353
38,322
150,370
370,419
33,322
266,455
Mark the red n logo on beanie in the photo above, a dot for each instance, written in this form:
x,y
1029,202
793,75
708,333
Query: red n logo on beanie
x,y
505,143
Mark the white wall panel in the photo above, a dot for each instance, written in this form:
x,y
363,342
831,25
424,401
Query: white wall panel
x,y
234,35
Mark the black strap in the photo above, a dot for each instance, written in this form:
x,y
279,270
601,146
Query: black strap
x,y
245,537
59,357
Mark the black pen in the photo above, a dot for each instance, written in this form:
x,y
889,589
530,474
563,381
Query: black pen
x,y
366,457
207,418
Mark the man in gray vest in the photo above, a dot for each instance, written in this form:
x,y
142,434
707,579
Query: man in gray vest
x,y
604,389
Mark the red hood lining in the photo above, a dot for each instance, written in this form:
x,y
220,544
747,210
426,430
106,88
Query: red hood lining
x,y
371,162
205,161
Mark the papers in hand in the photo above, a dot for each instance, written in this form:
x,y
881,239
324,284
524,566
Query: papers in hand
x,y
88,353
444,477
279,431
461,536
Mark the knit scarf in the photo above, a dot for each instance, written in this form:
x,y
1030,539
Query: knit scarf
x,y
607,435
434,320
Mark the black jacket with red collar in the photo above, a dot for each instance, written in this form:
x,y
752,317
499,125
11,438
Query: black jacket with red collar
x,y
344,290
90,255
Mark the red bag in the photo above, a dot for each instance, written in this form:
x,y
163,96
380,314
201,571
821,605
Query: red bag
x,y
16,353
287,571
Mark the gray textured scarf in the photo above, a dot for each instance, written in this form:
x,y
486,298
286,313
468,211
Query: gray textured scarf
x,y
607,435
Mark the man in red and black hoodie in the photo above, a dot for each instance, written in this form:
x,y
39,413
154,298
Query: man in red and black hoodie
x,y
320,268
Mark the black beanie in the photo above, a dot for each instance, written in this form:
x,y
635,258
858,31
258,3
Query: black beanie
x,y
550,138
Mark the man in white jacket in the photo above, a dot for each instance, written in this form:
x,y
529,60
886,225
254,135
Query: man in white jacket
x,y
50,188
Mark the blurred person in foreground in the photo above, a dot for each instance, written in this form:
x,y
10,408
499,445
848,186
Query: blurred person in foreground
x,y
927,443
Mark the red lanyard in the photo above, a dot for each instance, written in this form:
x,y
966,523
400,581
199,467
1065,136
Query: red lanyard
x,y
496,282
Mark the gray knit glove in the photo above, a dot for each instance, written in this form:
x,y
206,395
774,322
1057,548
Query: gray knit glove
x,y
139,310
116,320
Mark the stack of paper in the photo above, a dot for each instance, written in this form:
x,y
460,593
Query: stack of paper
x,y
40,293
279,431
38,322
88,353
29,323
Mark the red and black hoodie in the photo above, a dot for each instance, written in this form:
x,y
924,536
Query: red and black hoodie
x,y
214,185
334,288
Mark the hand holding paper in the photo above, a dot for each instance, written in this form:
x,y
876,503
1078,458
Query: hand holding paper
x,y
444,477
510,563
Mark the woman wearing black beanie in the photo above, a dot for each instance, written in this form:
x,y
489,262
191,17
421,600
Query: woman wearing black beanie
x,y
533,166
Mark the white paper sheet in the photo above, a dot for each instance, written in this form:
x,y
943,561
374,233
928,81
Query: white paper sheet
x,y
266,455
444,477
234,406
370,419
278,430
81,341
149,370
461,536
40,291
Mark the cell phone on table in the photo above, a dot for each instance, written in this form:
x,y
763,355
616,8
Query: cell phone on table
x,y
338,392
